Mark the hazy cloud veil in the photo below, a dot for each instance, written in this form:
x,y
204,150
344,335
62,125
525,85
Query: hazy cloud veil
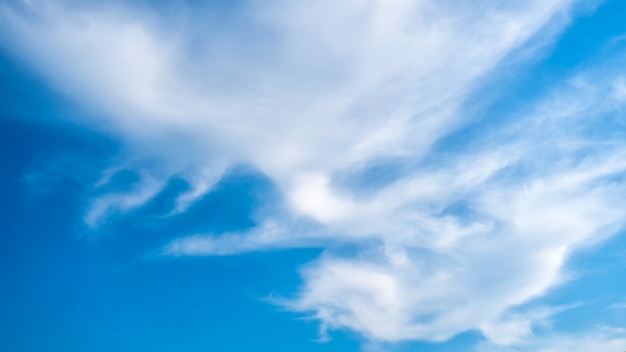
x,y
360,112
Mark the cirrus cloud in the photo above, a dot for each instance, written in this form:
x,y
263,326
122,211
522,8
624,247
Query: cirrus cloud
x,y
349,108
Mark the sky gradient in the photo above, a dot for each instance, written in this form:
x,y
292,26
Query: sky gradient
x,y
363,175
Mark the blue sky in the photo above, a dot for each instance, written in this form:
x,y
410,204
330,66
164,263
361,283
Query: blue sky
x,y
363,175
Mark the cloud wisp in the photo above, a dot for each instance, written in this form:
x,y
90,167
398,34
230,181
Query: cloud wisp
x,y
349,107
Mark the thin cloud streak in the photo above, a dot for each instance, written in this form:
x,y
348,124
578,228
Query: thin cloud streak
x,y
600,339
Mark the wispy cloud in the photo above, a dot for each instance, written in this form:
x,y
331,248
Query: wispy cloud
x,y
320,98
601,339
618,305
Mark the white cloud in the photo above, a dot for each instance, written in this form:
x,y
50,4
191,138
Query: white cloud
x,y
618,305
318,95
602,339
110,203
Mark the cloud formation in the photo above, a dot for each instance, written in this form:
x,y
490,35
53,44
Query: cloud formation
x,y
352,109
603,338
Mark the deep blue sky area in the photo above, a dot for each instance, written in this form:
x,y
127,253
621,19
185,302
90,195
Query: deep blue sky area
x,y
65,291
356,233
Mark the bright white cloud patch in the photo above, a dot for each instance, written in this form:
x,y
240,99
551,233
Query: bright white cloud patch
x,y
320,96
